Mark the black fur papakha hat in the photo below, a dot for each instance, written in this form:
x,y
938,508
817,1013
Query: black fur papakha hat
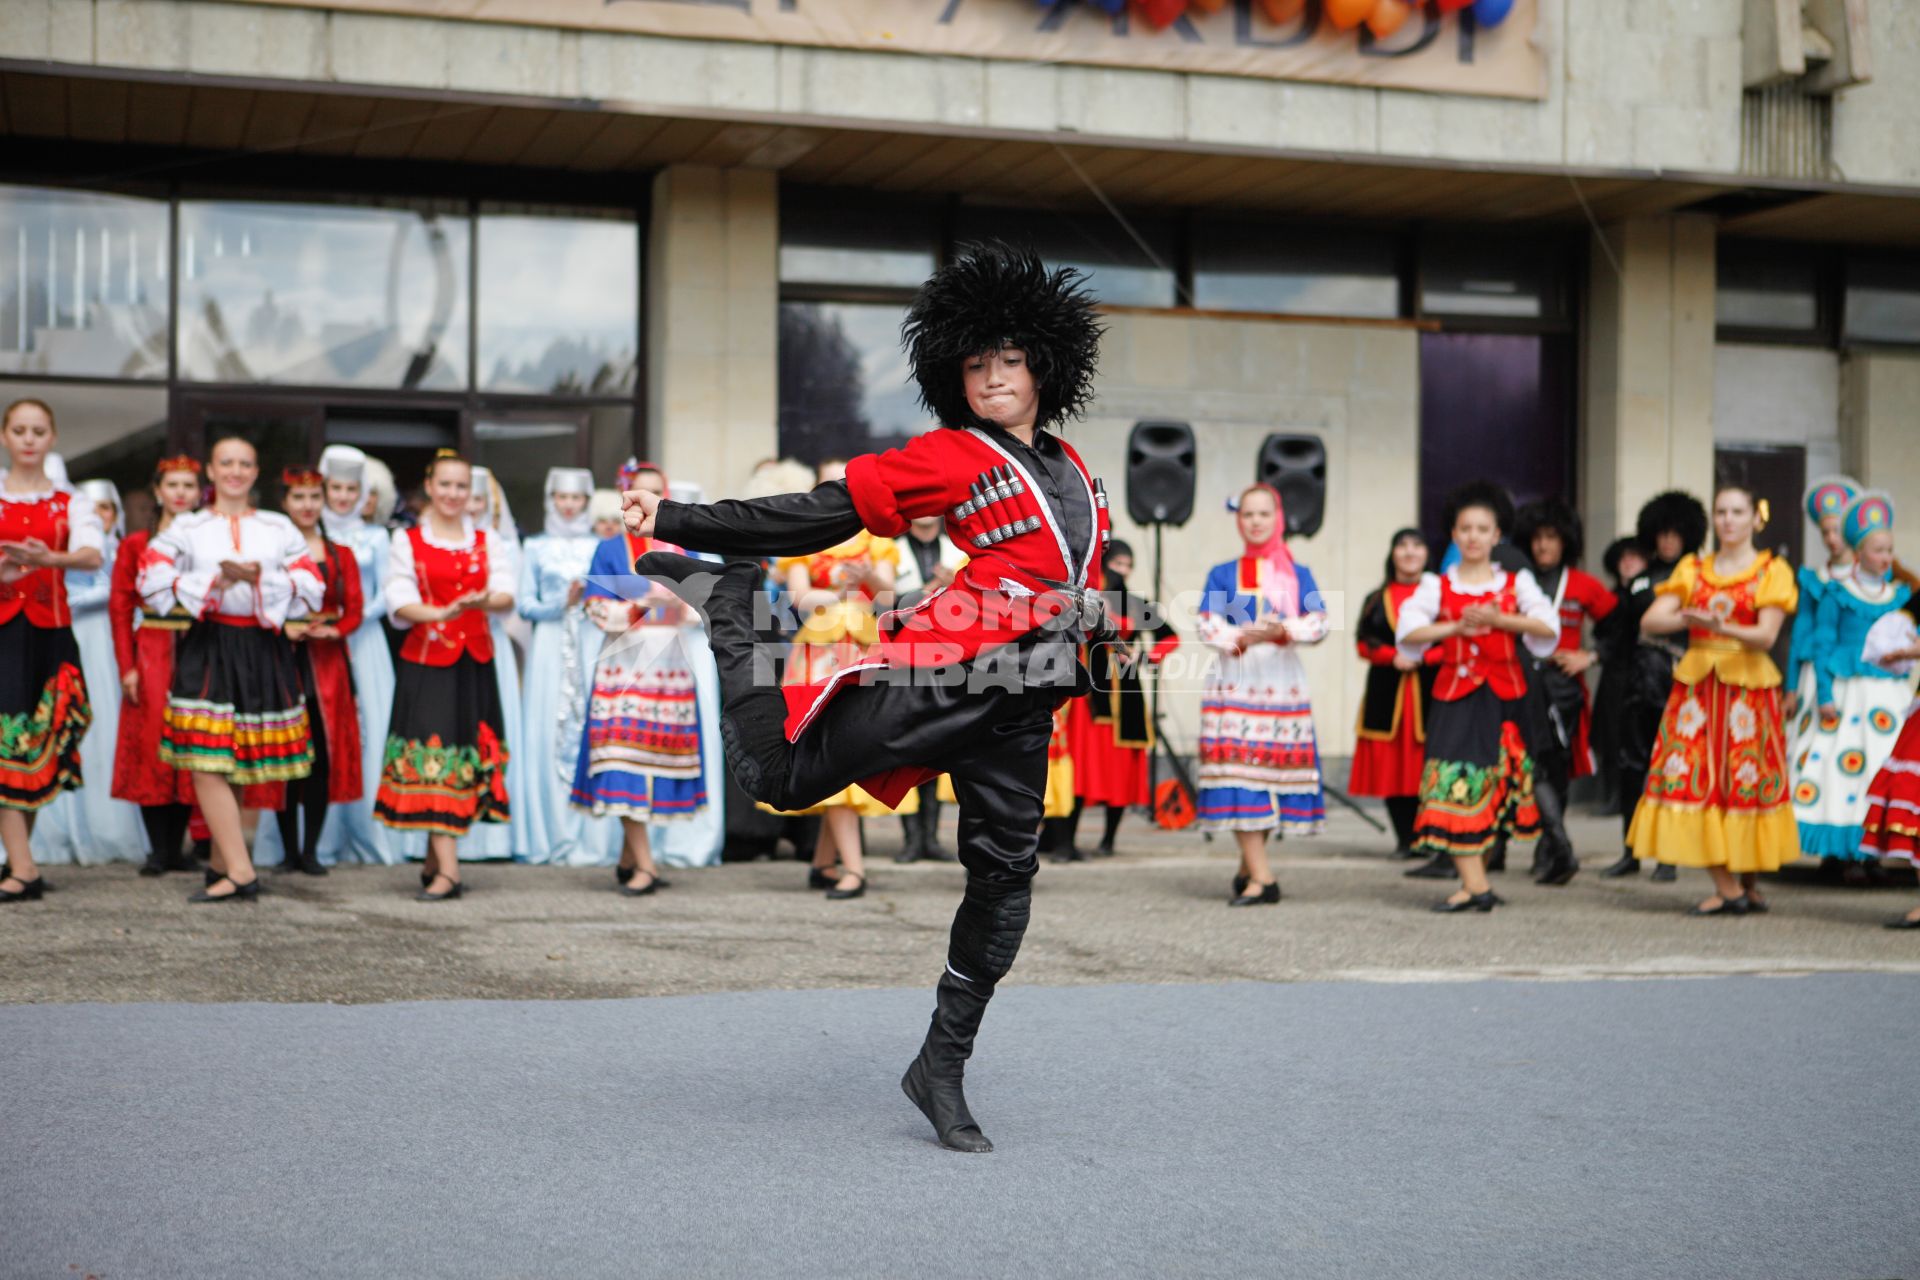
x,y
1675,511
1554,514
992,296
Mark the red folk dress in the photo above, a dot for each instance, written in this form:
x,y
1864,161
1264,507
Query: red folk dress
x,y
1390,736
1582,598
344,607
43,695
143,642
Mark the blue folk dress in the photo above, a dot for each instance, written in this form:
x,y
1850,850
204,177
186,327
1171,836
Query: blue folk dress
x,y
560,660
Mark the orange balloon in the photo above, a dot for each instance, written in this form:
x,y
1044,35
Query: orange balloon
x,y
1348,14
1387,17
1281,12
1207,6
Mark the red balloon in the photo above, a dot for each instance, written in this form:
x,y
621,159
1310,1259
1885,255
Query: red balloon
x,y
1281,12
1388,17
1348,14
1160,13
1453,6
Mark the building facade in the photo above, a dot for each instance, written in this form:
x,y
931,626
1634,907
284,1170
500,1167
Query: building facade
x,y
1597,249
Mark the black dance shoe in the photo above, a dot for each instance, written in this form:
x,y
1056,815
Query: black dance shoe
x,y
1438,867
1736,906
1902,922
623,874
1497,858
818,879
1072,853
1481,902
309,864
1628,865
837,894
1240,883
1665,873
654,885
29,890
1269,893
155,865
209,877
426,894
1558,868
248,892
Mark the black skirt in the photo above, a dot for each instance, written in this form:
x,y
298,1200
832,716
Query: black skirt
x,y
445,766
43,699
236,707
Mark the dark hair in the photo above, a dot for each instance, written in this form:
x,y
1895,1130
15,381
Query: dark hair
x,y
1554,514
992,296
30,402
445,455
1617,550
1479,493
1675,511
1393,545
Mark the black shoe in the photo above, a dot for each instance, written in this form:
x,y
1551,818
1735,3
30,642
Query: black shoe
x,y
818,879
248,892
1103,849
1269,893
1481,902
934,1079
654,885
1664,874
1438,867
1404,852
1736,906
1240,884
209,876
310,865
907,857
449,895
623,874
155,865
1902,922
29,890
1628,865
1072,853
1558,869
935,853
181,860
1757,906
837,894
1497,860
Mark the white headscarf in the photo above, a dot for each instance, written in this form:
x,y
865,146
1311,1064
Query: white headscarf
x,y
604,505
379,483
56,467
496,515
568,480
98,491
344,462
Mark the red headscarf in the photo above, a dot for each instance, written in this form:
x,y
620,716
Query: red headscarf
x,y
1279,581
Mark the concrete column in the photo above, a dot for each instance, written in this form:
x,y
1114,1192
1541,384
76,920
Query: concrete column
x,y
1880,424
1648,407
713,296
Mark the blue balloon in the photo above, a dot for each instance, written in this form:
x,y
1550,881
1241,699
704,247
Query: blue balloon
x,y
1491,13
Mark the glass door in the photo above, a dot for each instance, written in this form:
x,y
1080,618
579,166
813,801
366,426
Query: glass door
x,y
518,447
283,432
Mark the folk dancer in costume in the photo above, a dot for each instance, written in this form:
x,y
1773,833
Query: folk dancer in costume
x,y
1826,501
1845,733
143,645
351,833
1717,795
833,593
1002,349
488,508
1671,527
641,754
1390,746
928,561
1554,538
1259,758
236,717
89,825
560,655
1478,785
446,759
1615,638
321,654
1110,731
45,531
1892,826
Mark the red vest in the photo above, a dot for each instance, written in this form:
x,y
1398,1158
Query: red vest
x,y
444,576
41,592
1467,662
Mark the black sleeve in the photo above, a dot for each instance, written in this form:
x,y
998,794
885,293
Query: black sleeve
x,y
788,524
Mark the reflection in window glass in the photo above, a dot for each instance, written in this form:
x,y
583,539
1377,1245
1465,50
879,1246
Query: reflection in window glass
x,y
1119,271
1508,277
844,386
1292,270
1883,302
559,304
518,451
107,432
840,237
322,295
610,441
83,284
1776,291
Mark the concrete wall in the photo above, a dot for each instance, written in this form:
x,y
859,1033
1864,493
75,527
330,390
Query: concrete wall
x,y
1780,395
1357,387
1880,429
1637,84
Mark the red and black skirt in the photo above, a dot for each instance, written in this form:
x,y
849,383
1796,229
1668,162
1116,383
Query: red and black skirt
x,y
1478,782
236,707
43,713
445,766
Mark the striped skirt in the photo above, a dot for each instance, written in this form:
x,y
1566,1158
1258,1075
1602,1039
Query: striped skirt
x,y
236,707
1259,757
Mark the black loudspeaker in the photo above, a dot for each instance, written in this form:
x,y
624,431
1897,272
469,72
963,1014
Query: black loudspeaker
x,y
1297,467
1160,472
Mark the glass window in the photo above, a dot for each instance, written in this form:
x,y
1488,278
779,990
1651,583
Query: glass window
x,y
559,303
1119,270
106,432
323,295
1249,265
1883,301
833,237
844,386
1503,277
1767,290
518,450
83,284
610,441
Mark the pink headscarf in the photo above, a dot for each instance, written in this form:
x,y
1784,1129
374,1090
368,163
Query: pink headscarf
x,y
1280,583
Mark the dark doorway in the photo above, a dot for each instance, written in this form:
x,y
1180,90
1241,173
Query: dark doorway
x,y
1775,474
1494,406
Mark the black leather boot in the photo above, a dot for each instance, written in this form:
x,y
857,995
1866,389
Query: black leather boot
x,y
1497,856
753,711
930,827
1438,867
1559,865
1628,865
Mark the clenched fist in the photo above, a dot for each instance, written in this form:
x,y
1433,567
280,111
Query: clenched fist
x,y
637,508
